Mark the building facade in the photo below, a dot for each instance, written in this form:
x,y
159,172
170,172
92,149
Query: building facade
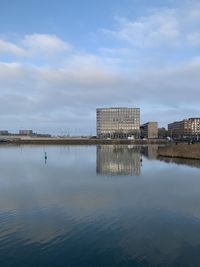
x,y
25,132
149,130
118,122
185,128
4,132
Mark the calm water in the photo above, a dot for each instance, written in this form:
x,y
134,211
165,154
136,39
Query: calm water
x,y
98,206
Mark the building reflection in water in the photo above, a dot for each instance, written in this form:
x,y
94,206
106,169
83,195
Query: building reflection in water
x,y
151,151
118,160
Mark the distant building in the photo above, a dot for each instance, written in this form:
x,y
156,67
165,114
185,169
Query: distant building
x,y
149,130
4,132
25,132
185,128
118,122
41,135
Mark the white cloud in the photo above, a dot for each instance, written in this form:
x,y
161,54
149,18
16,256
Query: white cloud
x,y
35,44
45,43
10,48
160,27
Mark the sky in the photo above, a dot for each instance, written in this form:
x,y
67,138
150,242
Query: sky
x,y
62,59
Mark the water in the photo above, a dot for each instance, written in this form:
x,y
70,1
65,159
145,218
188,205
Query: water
x,y
98,206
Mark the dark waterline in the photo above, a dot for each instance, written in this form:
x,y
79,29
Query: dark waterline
x,y
98,206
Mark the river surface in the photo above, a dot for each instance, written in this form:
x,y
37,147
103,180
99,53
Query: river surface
x,y
98,206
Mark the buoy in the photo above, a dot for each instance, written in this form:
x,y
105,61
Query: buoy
x,y
45,157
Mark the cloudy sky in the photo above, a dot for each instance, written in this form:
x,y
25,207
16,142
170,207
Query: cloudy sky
x,y
61,59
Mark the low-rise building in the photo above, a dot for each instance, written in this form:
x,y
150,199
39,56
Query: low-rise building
x,y
149,130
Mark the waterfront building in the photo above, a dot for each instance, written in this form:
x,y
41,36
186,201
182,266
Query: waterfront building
x,y
185,128
149,130
118,122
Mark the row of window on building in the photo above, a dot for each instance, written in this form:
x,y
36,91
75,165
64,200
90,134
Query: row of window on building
x,y
185,128
123,123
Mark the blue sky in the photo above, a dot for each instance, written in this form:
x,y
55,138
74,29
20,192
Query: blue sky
x,y
60,60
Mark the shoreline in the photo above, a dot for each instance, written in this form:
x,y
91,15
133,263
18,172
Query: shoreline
x,y
181,151
79,141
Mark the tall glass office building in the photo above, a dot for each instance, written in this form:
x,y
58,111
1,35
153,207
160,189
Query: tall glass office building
x,y
118,122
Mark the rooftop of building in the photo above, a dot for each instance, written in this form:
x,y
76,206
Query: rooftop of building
x,y
194,118
118,108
